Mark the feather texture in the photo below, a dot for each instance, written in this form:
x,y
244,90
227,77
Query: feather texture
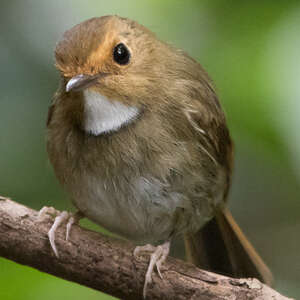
x,y
145,151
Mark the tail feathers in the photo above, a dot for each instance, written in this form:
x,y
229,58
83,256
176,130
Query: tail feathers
x,y
222,247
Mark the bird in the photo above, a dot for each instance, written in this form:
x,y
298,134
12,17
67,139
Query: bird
x,y
137,137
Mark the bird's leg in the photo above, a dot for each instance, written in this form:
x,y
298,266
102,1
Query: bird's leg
x,y
158,256
74,219
59,219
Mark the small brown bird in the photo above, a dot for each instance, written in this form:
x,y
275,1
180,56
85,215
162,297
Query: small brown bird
x,y
137,137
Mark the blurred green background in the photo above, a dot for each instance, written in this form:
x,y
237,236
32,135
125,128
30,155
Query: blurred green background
x,y
249,48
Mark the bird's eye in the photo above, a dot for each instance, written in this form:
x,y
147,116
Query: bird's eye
x,y
121,54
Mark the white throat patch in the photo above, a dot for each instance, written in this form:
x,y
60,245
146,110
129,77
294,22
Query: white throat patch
x,y
102,115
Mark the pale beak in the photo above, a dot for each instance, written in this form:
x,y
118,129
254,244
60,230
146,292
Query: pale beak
x,y
81,81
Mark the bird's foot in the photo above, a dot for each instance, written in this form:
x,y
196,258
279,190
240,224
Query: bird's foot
x,y
60,218
158,256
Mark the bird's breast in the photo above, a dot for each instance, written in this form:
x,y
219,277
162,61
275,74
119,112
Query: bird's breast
x,y
141,212
137,182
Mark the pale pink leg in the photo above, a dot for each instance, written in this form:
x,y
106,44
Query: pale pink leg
x,y
158,256
61,217
64,216
74,219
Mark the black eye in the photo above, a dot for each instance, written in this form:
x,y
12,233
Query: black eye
x,y
121,54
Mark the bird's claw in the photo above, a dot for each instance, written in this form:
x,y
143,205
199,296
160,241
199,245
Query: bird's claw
x,y
158,256
60,218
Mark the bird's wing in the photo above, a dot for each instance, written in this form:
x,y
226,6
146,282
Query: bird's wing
x,y
208,121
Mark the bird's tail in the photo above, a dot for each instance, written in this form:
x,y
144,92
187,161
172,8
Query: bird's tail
x,y
220,246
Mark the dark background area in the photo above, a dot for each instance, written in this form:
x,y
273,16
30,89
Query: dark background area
x,y
249,48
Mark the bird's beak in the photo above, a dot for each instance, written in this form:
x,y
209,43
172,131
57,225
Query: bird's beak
x,y
80,82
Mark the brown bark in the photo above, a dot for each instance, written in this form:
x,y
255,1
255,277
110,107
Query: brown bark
x,y
107,264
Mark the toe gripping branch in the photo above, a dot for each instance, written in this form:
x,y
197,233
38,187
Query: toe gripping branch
x,y
60,218
157,257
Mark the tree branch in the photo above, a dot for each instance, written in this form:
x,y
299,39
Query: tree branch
x,y
107,264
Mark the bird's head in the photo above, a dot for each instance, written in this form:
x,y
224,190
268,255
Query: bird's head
x,y
116,60
114,56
